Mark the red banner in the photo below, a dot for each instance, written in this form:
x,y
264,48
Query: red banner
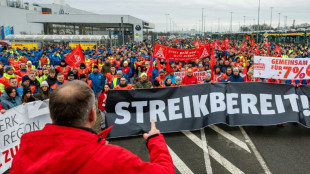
x,y
174,54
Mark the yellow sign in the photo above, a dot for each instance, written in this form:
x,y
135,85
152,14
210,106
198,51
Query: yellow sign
x,y
137,34
26,45
84,46
266,34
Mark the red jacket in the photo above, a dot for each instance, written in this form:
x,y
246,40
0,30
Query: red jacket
x,y
102,99
60,149
189,80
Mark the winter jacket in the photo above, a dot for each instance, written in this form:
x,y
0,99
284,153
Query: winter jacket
x,y
235,78
61,149
143,84
8,102
42,95
51,81
102,101
189,80
105,69
98,81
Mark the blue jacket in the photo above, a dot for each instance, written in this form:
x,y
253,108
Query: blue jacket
x,y
171,77
98,81
8,102
235,78
4,60
55,60
155,74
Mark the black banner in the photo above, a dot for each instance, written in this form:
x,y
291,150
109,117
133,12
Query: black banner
x,y
196,106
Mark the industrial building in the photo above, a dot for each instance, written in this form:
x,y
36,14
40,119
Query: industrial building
x,y
59,18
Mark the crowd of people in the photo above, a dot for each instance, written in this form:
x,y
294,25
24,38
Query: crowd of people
x,y
32,74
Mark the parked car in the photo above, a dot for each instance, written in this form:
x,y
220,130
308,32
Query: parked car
x,y
301,29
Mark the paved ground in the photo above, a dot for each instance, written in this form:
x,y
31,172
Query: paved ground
x,y
220,149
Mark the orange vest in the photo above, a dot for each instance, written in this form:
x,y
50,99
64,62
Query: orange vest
x,y
63,70
83,71
23,60
44,61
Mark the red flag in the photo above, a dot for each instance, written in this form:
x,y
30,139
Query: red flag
x,y
257,52
158,65
244,46
168,68
277,49
149,70
217,45
247,37
196,43
76,57
176,41
252,42
266,43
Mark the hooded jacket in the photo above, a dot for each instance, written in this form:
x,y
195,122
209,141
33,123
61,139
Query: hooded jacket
x,y
8,102
61,149
235,78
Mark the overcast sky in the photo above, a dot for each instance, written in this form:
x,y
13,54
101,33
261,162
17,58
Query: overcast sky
x,y
187,14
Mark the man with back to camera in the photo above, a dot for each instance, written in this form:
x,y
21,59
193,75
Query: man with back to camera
x,y
69,145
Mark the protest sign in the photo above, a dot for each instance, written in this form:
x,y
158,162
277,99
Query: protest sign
x,y
281,68
17,121
174,54
193,107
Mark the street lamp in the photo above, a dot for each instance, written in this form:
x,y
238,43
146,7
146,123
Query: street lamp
x,y
202,20
231,22
271,17
258,20
167,14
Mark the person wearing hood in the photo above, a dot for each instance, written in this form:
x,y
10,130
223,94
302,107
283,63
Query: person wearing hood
x,y
159,80
144,82
116,80
63,68
8,74
27,96
10,99
98,81
208,78
44,92
51,79
235,77
22,70
83,70
178,81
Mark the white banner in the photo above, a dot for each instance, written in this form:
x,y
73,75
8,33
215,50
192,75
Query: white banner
x,y
200,75
17,121
281,68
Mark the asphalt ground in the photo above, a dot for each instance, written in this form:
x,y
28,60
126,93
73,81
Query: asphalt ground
x,y
220,149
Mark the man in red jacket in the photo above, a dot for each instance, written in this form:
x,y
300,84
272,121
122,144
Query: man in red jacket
x,y
69,145
189,79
